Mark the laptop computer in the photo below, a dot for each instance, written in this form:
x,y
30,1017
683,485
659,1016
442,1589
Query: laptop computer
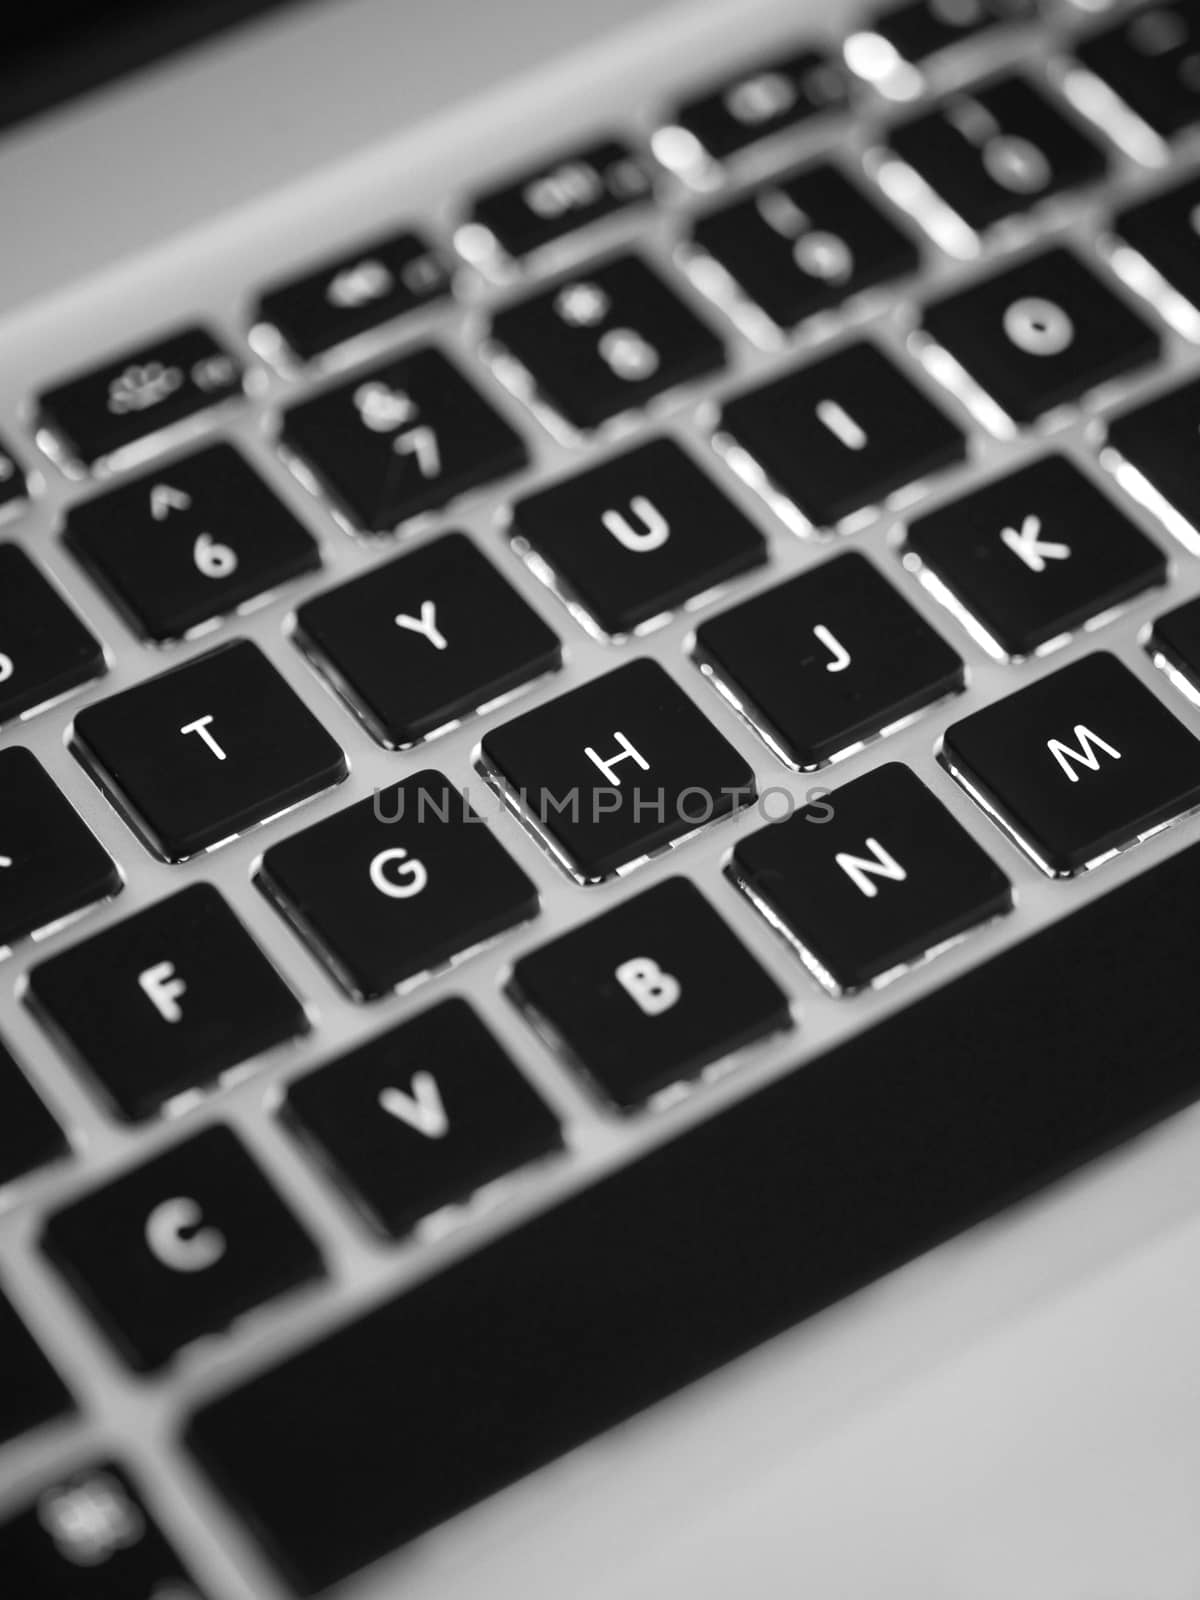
x,y
599,692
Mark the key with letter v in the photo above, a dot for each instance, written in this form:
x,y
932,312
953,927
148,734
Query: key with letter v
x,y
444,1136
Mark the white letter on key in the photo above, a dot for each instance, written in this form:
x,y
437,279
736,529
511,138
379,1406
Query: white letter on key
x,y
425,625
200,726
644,981
881,863
626,753
421,1109
163,990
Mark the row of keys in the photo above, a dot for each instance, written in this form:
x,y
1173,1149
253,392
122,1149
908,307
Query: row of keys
x,y
103,417
406,882
200,754
1033,337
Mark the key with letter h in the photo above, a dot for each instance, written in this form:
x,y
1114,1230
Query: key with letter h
x,y
616,770
872,881
1078,765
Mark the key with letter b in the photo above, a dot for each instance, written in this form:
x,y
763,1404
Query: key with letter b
x,y
1077,765
650,993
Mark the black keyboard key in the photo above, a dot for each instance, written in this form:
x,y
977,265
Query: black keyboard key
x,y
113,411
167,1001
1151,60
1040,334
605,342
922,28
32,1392
51,864
45,651
827,660
208,750
534,209
418,644
1157,444
90,1537
942,1114
1077,765
1165,231
841,434
29,1136
398,885
14,489
650,994
180,1247
1035,555
350,293
997,150
634,538
202,537
1175,644
422,1117
805,243
401,438
870,882
617,770
761,100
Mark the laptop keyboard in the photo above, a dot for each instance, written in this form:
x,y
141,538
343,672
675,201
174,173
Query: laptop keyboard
x,y
641,867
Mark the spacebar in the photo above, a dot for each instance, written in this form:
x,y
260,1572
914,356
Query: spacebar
x,y
734,1231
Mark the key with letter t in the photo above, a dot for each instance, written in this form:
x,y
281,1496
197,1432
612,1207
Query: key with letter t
x,y
208,750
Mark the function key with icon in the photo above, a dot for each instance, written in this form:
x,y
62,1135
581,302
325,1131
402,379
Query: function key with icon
x,y
112,412
401,438
90,1537
762,101
351,293
598,346
536,208
918,29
